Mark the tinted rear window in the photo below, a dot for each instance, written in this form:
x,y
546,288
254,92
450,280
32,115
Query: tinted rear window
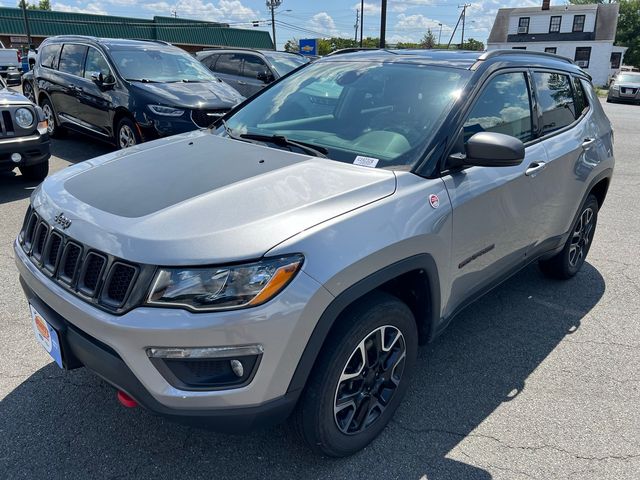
x,y
556,100
72,59
49,56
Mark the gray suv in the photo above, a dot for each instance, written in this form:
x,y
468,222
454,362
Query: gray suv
x,y
306,245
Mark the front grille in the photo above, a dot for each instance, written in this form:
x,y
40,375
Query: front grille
x,y
7,123
204,118
630,91
95,276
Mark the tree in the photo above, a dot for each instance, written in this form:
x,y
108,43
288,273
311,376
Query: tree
x,y
628,34
429,40
42,5
472,44
292,45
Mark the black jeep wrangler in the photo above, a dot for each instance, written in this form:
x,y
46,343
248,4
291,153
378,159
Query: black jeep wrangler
x,y
24,141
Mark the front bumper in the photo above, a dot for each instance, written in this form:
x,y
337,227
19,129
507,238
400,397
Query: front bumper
x,y
82,350
34,149
115,346
618,96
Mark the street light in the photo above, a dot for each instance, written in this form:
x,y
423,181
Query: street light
x,y
272,5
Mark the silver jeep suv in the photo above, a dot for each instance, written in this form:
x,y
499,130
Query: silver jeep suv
x,y
289,260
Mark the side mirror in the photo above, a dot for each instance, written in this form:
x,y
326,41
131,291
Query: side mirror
x,y
102,81
491,149
265,76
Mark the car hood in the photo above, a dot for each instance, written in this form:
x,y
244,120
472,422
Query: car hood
x,y
9,97
201,95
198,198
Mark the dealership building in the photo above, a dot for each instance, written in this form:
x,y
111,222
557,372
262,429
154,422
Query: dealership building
x,y
191,35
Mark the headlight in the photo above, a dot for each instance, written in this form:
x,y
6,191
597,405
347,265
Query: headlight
x,y
24,117
615,86
223,288
165,111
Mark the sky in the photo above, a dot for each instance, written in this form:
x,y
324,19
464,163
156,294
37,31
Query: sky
x,y
407,20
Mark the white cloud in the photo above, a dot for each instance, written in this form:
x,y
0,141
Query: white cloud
x,y
368,7
94,8
323,22
222,10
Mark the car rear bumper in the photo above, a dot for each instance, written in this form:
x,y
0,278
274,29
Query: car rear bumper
x,y
33,149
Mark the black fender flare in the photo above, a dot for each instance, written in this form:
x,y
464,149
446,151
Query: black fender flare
x,y
424,262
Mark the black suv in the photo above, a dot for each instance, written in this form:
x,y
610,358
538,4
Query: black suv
x,y
248,71
124,91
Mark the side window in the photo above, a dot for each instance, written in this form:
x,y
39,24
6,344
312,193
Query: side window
x,y
230,63
96,63
580,97
253,66
49,55
504,106
72,59
210,61
556,100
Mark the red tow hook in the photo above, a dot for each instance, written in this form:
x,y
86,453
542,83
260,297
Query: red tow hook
x,y
125,400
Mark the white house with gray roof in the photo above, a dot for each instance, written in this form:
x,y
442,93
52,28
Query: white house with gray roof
x,y
583,33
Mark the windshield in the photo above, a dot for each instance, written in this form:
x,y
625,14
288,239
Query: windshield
x,y
153,64
285,62
384,111
628,78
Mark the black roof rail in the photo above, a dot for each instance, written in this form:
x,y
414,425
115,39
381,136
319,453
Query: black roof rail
x,y
351,50
500,52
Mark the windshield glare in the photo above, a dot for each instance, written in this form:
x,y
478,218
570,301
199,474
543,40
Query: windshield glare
x,y
387,111
159,65
628,78
285,62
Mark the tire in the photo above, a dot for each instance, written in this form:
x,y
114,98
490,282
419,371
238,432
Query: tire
x,y
569,261
27,91
53,127
127,134
337,432
35,173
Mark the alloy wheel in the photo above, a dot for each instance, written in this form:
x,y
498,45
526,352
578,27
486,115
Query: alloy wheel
x,y
48,114
126,137
581,237
28,92
369,379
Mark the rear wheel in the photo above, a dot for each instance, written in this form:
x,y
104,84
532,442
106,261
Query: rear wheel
x,y
359,378
35,173
569,261
127,134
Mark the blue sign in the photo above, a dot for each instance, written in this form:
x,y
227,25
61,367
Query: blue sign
x,y
309,46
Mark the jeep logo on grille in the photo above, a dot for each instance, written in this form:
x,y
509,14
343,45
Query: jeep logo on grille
x,y
63,221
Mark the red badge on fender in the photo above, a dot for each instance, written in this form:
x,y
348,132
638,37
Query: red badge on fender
x,y
434,200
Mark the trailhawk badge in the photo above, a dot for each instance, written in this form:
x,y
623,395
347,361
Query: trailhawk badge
x,y
434,201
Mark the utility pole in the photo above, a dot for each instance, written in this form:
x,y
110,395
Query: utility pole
x,y
461,17
361,20
272,5
355,39
383,23
439,35
23,4
464,16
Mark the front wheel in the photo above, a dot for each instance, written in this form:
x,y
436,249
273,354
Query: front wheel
x,y
359,378
27,91
569,261
127,134
53,127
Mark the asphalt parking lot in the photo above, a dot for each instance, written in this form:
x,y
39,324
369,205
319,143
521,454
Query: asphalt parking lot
x,y
539,379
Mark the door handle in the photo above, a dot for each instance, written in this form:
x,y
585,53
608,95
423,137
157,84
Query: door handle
x,y
535,168
588,143
240,82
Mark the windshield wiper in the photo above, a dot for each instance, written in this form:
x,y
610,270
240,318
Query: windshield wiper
x,y
283,141
143,80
